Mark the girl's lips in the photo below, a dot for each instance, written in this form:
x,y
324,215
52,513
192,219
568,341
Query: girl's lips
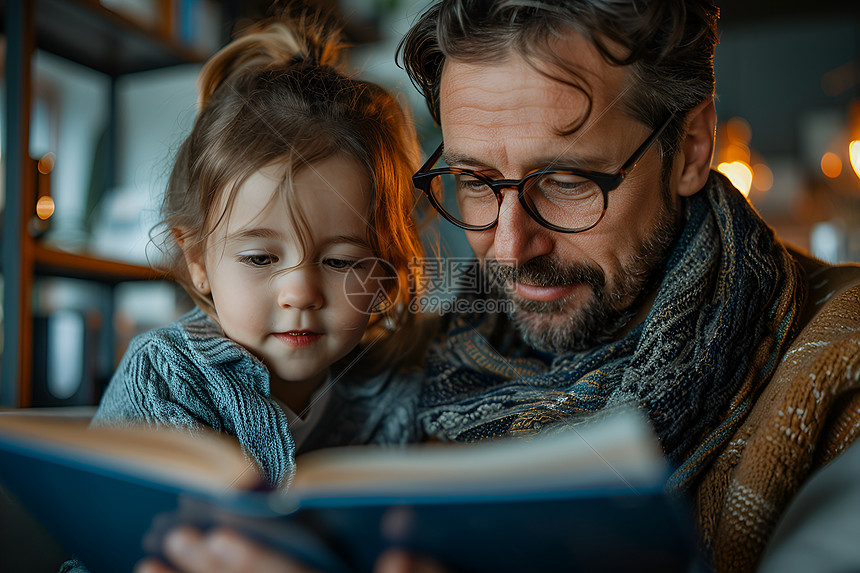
x,y
298,338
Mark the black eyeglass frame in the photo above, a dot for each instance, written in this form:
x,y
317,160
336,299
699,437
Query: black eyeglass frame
x,y
423,178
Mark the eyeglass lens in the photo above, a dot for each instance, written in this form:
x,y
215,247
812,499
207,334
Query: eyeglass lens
x,y
562,199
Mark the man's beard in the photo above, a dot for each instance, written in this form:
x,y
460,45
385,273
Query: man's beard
x,y
609,309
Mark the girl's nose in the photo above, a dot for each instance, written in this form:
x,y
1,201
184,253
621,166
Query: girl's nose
x,y
300,289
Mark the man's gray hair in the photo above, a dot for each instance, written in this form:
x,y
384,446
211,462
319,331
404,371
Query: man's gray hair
x,y
667,44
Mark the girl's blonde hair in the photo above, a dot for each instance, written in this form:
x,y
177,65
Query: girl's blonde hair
x,y
275,94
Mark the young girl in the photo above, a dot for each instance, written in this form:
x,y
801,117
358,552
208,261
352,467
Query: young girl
x,y
287,219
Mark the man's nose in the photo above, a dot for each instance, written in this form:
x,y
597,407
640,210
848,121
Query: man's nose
x,y
518,237
300,288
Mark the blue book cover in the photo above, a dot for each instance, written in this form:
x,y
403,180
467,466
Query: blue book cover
x,y
587,499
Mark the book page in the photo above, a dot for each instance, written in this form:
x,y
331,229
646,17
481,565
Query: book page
x,y
619,450
203,461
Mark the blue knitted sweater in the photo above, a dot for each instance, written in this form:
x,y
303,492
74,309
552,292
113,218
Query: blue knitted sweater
x,y
189,375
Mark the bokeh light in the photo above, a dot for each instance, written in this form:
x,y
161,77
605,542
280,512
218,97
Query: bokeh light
x,y
831,165
46,163
854,153
45,207
739,173
762,177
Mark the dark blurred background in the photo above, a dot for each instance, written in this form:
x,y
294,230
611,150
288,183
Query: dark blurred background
x,y
109,93
97,96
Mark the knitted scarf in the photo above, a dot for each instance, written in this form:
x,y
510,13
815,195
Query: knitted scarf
x,y
725,310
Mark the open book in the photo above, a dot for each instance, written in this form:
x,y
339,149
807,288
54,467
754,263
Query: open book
x,y
587,499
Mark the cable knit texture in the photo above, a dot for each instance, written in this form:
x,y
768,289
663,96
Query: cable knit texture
x,y
189,375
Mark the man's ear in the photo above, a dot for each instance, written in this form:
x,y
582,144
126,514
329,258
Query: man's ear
x,y
194,262
697,149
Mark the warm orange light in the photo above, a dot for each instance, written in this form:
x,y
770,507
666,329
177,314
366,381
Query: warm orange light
x,y
738,130
831,165
737,151
734,141
854,153
46,163
762,177
739,173
45,207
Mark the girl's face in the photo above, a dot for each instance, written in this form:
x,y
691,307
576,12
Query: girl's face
x,y
298,321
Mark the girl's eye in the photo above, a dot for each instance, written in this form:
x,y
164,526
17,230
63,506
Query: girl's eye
x,y
342,264
258,260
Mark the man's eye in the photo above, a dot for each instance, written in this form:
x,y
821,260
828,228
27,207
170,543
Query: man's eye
x,y
465,183
565,187
560,181
342,264
258,260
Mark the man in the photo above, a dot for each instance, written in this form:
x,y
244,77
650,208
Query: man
x,y
577,144
648,278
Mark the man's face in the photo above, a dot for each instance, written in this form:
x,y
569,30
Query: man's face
x,y
504,120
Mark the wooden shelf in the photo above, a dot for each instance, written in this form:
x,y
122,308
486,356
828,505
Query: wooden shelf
x,y
54,262
86,33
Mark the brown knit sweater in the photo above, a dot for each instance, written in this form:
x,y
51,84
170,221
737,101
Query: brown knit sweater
x,y
806,416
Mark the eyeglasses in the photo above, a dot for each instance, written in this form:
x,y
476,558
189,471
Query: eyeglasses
x,y
567,201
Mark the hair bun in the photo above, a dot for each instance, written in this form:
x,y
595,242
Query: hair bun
x,y
279,42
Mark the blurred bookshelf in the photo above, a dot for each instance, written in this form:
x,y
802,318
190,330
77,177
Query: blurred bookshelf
x,y
116,39
51,261
103,39
74,265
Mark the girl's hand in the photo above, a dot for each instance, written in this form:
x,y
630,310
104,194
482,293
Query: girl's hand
x,y
225,551
222,551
